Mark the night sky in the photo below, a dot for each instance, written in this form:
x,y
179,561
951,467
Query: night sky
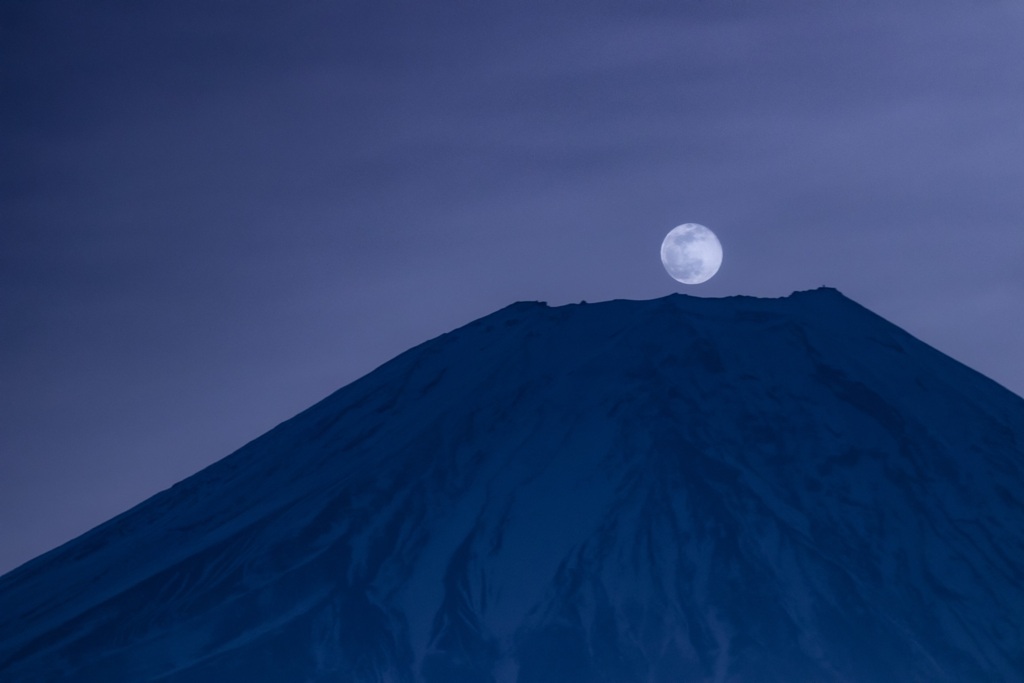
x,y
213,214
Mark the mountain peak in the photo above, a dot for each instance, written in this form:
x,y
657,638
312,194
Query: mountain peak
x,y
680,489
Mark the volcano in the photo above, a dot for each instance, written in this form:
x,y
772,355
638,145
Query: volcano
x,y
735,490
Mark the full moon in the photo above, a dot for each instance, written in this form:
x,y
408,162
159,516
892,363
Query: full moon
x,y
691,253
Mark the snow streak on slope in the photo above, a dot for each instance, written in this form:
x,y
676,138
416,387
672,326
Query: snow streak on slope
x,y
682,489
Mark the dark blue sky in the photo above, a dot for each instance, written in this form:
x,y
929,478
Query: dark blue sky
x,y
212,214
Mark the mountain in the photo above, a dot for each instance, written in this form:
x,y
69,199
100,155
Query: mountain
x,y
689,490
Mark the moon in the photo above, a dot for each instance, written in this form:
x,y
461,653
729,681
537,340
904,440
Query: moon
x,y
691,253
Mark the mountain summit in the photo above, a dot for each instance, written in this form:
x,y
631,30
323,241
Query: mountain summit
x,y
679,490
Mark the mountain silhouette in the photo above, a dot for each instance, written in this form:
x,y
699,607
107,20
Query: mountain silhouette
x,y
679,490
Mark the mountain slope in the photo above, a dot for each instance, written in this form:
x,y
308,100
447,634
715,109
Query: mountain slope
x,y
682,489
